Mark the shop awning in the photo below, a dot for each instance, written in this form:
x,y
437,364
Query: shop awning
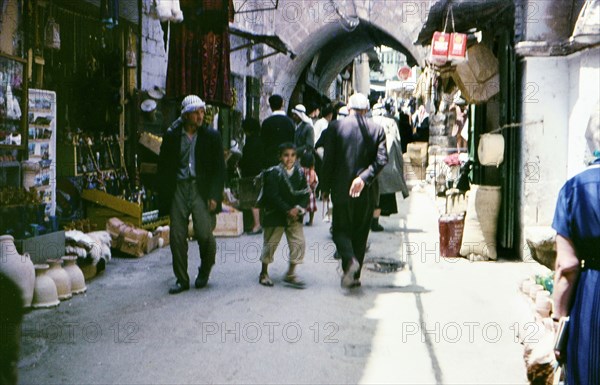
x,y
272,41
467,14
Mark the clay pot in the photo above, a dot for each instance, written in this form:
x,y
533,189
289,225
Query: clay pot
x,y
44,293
17,267
77,279
61,278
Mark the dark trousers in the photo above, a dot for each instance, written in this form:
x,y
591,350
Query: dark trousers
x,y
351,225
186,201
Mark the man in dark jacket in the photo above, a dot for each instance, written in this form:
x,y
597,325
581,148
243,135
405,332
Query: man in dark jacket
x,y
191,170
276,130
355,153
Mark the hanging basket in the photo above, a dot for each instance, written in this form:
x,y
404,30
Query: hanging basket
x,y
491,149
52,32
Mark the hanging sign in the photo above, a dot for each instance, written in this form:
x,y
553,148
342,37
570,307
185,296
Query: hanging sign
x,y
458,47
439,47
404,73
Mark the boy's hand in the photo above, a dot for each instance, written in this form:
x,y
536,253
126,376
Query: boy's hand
x,y
293,213
212,205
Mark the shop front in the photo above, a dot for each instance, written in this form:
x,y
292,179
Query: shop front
x,y
69,70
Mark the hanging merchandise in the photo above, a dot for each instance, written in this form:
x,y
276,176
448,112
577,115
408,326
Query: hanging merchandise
x,y
439,48
457,52
491,149
168,10
448,46
52,31
130,55
478,78
109,13
198,53
440,44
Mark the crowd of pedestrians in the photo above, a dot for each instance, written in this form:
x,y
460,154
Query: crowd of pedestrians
x,y
336,153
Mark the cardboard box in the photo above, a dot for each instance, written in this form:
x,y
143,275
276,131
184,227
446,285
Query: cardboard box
x,y
229,224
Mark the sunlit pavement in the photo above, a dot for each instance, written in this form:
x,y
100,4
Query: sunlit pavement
x,y
435,321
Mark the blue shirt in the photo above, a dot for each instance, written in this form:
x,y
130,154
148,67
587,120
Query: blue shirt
x,y
577,215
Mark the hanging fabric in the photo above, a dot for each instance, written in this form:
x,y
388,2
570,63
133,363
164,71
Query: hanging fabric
x,y
168,10
199,53
130,55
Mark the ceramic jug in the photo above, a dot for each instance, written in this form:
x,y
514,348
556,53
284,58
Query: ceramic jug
x,y
77,279
17,267
45,293
61,278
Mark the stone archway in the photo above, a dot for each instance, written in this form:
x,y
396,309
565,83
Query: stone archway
x,y
308,26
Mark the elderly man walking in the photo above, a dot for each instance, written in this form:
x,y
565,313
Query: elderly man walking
x,y
355,153
304,136
191,169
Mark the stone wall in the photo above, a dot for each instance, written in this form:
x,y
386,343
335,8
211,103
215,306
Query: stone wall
x,y
305,26
154,59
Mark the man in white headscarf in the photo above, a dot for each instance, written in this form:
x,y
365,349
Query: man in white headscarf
x,y
304,137
355,153
191,169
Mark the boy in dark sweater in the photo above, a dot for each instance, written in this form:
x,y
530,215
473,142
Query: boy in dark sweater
x,y
285,194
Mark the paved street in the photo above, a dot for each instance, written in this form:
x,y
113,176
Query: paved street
x,y
436,321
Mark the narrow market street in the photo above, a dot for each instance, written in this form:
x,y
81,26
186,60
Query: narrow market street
x,y
435,321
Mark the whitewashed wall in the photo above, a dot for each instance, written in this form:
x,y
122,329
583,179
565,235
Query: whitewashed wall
x,y
561,92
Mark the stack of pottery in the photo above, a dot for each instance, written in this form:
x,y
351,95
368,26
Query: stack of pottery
x,y
17,267
76,275
61,278
44,293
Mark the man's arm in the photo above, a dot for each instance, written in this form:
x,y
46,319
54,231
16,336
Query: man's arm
x,y
329,138
380,160
310,138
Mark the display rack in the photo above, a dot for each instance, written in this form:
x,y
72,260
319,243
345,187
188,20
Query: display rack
x,y
42,146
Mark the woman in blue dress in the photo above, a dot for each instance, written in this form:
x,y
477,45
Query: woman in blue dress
x,y
577,285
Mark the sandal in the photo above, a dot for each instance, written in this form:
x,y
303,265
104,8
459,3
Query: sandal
x,y
264,280
293,281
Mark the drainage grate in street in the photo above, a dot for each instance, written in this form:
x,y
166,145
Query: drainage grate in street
x,y
384,265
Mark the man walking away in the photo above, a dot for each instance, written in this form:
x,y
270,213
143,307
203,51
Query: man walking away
x,y
355,153
276,130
